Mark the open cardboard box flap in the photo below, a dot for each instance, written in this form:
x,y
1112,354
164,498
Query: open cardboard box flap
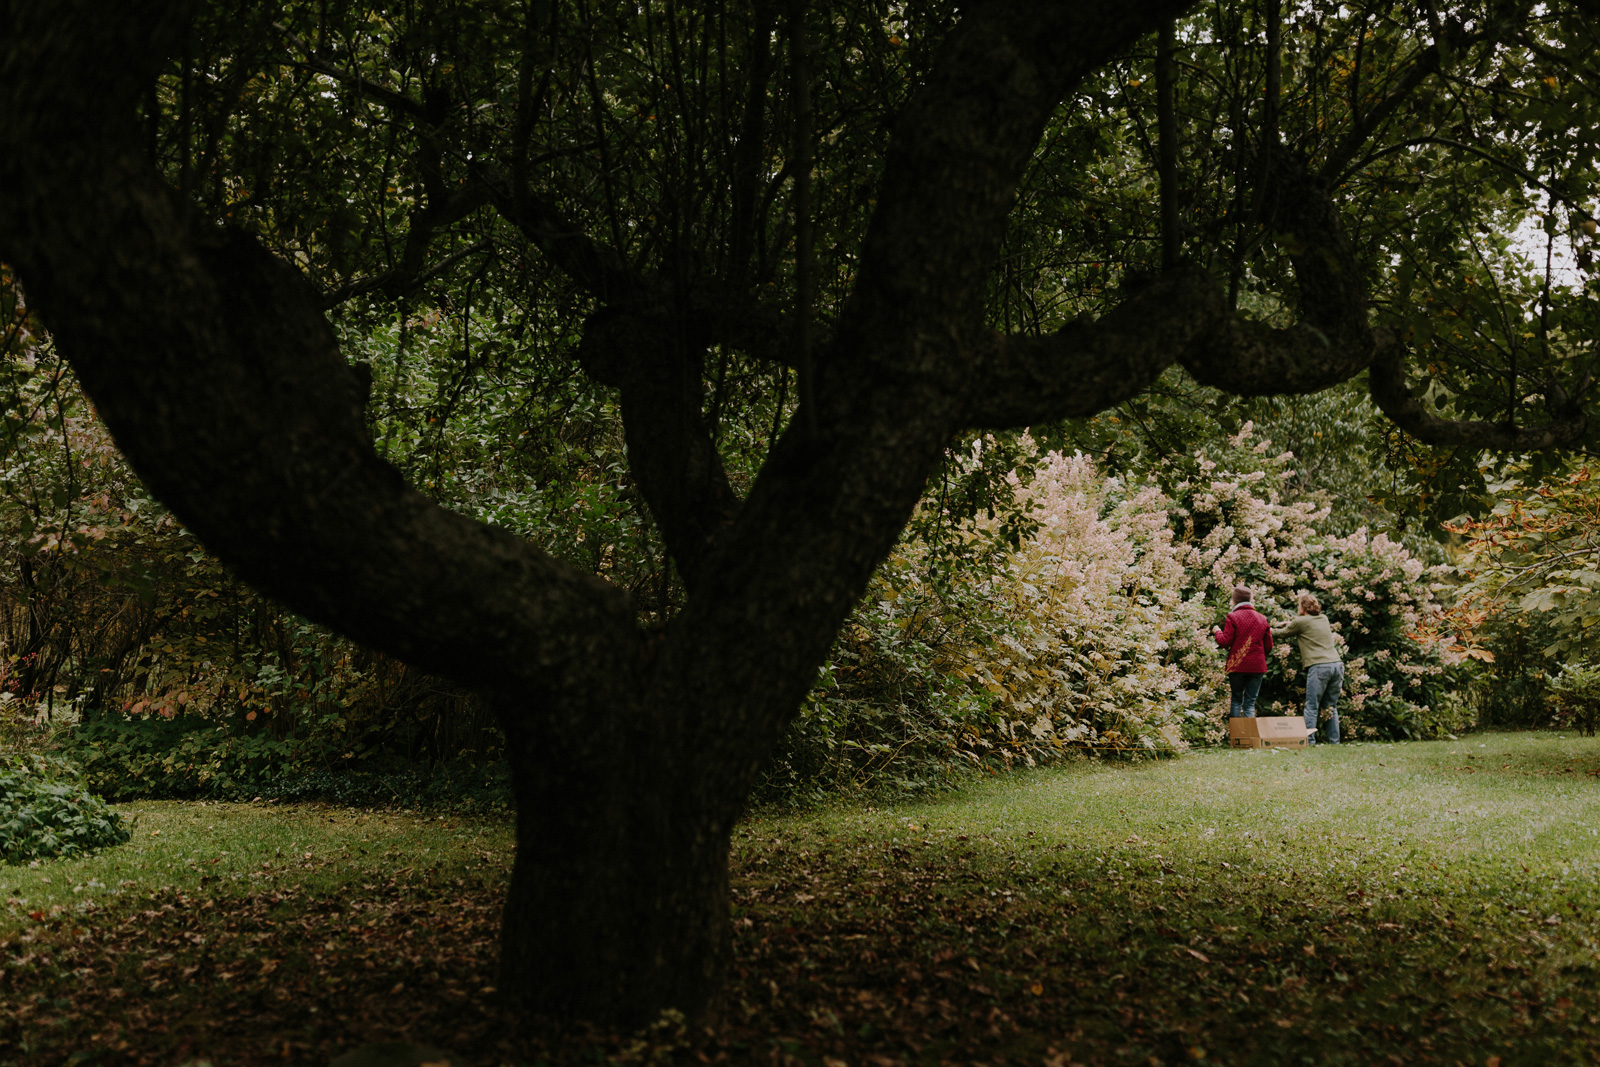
x,y
1268,731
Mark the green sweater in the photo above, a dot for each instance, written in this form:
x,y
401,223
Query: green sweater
x,y
1315,637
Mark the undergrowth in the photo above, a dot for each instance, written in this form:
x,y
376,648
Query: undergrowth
x,y
46,811
192,758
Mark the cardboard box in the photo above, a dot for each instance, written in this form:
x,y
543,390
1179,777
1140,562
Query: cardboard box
x,y
1268,731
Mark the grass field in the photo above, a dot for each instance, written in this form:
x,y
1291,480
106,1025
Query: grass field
x,y
1420,903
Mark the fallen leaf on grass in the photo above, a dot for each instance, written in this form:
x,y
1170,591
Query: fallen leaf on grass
x,y
1201,956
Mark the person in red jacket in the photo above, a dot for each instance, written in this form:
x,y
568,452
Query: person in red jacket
x,y
1247,636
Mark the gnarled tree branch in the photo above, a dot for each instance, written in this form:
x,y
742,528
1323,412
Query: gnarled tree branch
x,y
1086,367
1333,341
599,268
1390,391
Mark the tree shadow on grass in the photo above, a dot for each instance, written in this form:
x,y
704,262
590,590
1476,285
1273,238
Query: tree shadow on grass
x,y
859,950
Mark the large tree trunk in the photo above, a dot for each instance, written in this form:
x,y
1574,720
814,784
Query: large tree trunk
x,y
615,926
618,905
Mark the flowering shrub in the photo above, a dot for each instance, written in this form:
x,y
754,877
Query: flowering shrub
x,y
1399,681
1093,633
1097,601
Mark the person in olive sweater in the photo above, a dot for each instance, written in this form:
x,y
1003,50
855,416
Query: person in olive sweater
x,y
1247,636
1319,655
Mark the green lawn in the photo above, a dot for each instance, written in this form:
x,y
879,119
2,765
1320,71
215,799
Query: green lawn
x,y
203,849
1415,903
252,933
1420,903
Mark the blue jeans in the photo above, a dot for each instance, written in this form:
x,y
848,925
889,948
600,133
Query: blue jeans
x,y
1243,690
1323,682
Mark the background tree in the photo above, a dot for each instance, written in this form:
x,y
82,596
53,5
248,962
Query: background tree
x,y
809,246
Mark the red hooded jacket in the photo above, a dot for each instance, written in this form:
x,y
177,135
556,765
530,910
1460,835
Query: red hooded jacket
x,y
1247,636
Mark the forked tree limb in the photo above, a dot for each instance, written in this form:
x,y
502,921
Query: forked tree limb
x,y
600,269
401,279
731,314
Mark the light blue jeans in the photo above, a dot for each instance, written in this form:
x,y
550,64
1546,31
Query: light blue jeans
x,y
1323,682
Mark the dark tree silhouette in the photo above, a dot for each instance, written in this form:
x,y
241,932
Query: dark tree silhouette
x,y
213,364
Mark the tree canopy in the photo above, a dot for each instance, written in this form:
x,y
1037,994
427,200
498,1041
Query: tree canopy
x,y
797,250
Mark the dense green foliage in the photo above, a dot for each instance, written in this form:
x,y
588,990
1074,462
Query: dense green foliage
x,y
178,680
1529,605
1576,690
47,811
113,617
189,757
1511,685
